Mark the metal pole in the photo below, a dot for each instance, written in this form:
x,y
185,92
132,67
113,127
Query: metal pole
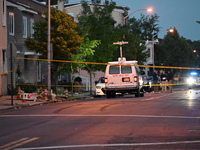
x,y
131,14
49,49
11,76
121,51
153,50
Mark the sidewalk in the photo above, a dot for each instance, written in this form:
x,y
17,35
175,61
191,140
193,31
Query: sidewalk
x,y
5,101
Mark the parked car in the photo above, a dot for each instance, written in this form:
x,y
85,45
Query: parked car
x,y
100,87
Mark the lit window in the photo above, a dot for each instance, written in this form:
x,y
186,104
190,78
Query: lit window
x,y
11,22
24,27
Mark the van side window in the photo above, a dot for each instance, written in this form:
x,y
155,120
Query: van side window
x,y
126,69
114,69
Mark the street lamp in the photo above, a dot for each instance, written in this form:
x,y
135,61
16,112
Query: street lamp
x,y
147,9
171,30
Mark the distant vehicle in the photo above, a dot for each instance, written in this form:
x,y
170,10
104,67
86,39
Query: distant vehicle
x,y
193,79
123,77
100,87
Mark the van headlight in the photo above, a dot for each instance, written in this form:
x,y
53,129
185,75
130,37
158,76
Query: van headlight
x,y
190,80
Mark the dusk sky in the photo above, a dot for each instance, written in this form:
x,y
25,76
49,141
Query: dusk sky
x,y
181,14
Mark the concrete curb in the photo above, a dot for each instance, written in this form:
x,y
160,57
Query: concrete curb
x,y
5,102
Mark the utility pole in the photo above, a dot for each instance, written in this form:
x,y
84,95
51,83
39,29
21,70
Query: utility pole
x,y
120,43
11,76
49,50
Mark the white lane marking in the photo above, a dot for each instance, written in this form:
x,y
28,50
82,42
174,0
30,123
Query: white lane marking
x,y
18,143
109,145
96,115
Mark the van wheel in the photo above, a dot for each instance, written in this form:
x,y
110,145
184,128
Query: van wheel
x,y
108,94
113,94
137,94
142,94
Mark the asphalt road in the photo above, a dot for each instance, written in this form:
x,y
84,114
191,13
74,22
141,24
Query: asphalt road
x,y
155,121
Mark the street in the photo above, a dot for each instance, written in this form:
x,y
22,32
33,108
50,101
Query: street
x,y
155,121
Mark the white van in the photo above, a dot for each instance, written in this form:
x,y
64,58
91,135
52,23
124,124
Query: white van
x,y
123,77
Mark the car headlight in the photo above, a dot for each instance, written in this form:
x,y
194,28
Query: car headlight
x,y
190,80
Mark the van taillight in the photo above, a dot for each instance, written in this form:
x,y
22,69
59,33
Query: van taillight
x,y
106,80
135,79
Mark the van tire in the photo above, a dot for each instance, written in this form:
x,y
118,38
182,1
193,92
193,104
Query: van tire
x,y
108,94
137,94
142,94
111,94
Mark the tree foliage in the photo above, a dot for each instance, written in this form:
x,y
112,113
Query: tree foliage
x,y
64,38
136,33
175,51
96,23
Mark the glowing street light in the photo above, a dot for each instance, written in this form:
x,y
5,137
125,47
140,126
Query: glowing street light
x,y
149,10
171,30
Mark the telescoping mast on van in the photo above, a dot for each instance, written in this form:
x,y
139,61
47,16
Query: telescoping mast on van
x,y
123,77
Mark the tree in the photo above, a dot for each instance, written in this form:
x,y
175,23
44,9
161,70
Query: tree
x,y
85,51
196,51
64,38
96,23
136,32
175,51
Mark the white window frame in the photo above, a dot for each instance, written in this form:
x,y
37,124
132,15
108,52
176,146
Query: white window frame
x,y
12,23
31,27
24,27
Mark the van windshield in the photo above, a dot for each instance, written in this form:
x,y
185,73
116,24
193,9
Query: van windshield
x,y
115,69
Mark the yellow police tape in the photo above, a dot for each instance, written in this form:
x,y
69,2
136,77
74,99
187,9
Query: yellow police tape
x,y
6,73
108,63
104,64
43,85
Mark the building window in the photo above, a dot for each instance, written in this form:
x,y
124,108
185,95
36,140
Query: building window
x,y
149,52
4,61
31,27
4,12
39,74
12,23
24,27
